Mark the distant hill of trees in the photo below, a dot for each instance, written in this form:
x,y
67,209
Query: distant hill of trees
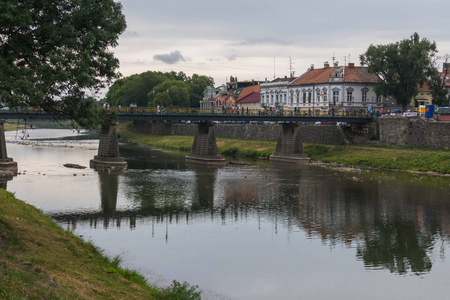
x,y
158,88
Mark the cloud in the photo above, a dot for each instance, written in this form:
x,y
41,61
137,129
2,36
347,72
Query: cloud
x,y
262,41
171,58
129,33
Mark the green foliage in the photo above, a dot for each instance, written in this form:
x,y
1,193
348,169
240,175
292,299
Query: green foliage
x,y
197,84
172,93
180,291
437,85
402,67
53,54
150,88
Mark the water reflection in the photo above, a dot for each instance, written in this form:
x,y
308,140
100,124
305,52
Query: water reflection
x,y
393,223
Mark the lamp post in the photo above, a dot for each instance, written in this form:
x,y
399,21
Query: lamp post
x,y
167,98
153,98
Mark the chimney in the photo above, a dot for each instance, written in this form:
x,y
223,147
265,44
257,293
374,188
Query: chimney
x,y
326,65
312,66
351,65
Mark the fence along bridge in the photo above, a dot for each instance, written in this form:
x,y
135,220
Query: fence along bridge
x,y
289,146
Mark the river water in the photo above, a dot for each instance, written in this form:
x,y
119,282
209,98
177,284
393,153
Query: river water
x,y
246,231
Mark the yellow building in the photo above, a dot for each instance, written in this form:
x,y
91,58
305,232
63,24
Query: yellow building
x,y
424,97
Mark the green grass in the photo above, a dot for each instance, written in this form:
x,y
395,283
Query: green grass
x,y
39,260
358,156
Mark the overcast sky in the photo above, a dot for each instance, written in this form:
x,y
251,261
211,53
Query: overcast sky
x,y
251,39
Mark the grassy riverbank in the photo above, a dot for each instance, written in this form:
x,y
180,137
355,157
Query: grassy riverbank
x,y
39,260
390,158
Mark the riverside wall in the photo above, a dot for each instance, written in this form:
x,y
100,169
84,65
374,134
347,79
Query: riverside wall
x,y
415,132
407,132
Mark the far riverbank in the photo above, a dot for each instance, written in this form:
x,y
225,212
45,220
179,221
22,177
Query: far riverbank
x,y
430,162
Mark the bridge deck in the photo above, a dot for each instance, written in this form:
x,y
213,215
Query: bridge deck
x,y
202,117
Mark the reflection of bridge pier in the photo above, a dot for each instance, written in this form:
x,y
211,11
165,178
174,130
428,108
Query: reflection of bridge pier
x,y
6,163
108,151
289,145
204,148
109,186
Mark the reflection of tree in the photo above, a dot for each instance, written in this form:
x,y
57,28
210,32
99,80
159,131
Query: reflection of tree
x,y
394,224
397,246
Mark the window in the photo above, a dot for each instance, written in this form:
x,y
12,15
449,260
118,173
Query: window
x,y
378,98
298,97
349,96
335,96
325,96
318,95
364,95
309,97
304,97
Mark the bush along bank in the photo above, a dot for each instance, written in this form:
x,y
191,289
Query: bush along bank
x,y
390,158
39,260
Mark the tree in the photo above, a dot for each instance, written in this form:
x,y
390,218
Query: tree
x,y
197,85
138,88
437,84
134,88
170,93
56,55
402,67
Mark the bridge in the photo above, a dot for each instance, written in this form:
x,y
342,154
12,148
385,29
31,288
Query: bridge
x,y
289,147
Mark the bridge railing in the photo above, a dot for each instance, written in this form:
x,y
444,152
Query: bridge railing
x,y
173,111
239,111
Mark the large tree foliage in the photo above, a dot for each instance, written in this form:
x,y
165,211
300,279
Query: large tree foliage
x,y
437,84
171,93
402,67
197,85
150,88
55,54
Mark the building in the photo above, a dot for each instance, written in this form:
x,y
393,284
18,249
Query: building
x,y
249,98
275,93
423,97
340,87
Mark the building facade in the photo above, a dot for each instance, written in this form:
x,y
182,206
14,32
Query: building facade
x,y
275,93
339,87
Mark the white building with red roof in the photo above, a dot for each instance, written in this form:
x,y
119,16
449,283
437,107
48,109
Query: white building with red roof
x,y
275,93
338,86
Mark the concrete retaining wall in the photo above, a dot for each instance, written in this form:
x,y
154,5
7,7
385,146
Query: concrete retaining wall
x,y
390,131
314,134
414,132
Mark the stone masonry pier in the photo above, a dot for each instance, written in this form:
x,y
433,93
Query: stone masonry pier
x,y
108,158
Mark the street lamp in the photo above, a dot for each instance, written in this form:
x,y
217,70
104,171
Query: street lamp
x,y
153,98
167,98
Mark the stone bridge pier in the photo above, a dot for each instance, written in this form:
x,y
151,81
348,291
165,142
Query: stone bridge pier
x,y
289,147
204,148
6,163
108,158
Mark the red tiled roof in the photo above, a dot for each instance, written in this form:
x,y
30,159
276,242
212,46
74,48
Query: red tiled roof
x,y
283,79
247,91
251,98
352,74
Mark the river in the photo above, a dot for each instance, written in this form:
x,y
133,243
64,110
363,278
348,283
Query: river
x,y
246,231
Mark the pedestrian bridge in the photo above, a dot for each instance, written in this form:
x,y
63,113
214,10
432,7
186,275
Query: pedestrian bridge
x,y
289,147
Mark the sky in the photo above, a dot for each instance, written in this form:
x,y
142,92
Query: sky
x,y
259,40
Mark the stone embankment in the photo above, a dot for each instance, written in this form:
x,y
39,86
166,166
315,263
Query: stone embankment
x,y
404,132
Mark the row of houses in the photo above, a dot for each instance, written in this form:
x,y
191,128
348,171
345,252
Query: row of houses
x,y
338,87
